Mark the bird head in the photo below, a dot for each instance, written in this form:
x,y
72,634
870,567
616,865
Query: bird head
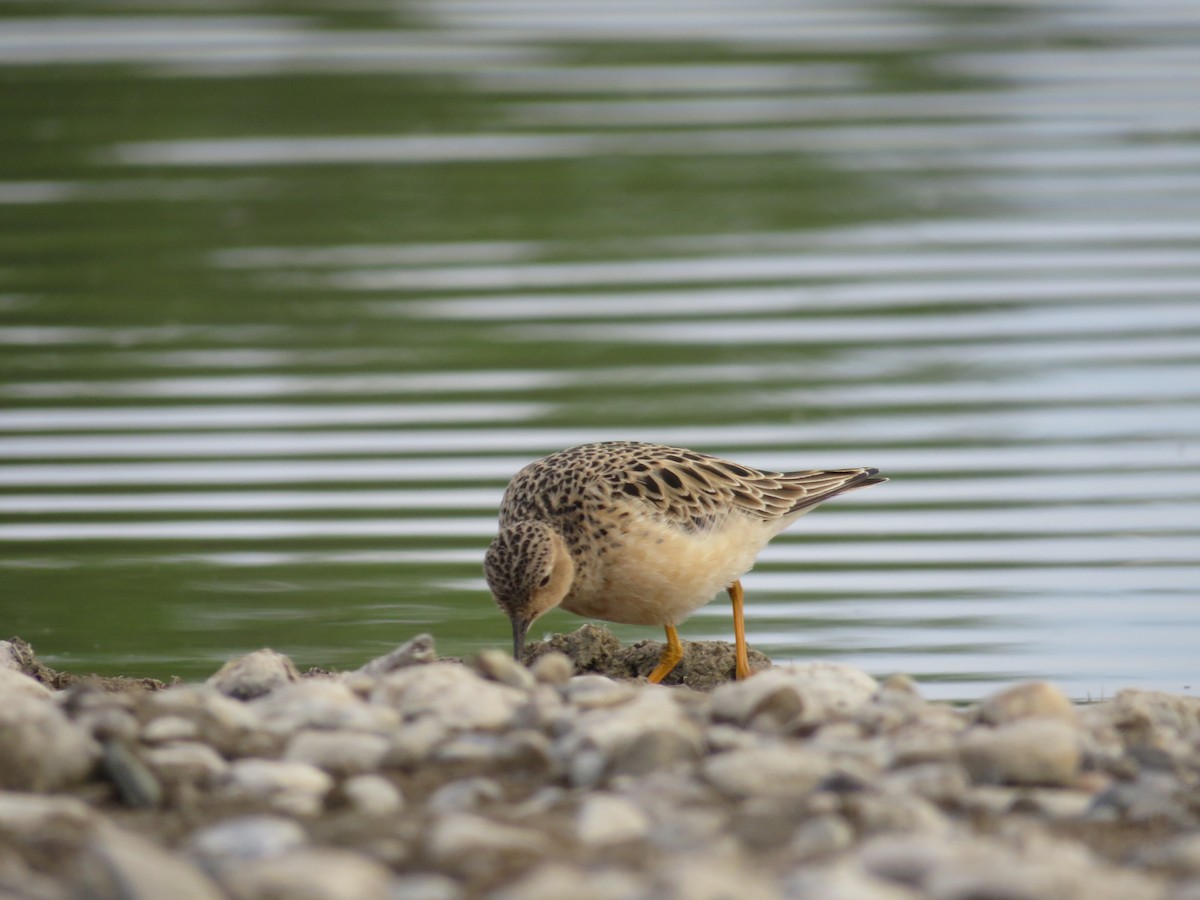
x,y
529,570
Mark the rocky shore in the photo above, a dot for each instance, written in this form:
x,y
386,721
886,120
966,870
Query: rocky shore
x,y
430,779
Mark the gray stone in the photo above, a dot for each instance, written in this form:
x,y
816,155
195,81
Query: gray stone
x,y
872,812
1028,751
254,675
604,819
40,749
247,837
339,752
769,771
417,651
454,695
1027,700
309,874
372,795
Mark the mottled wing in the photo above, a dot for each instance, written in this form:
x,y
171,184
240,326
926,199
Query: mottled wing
x,y
696,491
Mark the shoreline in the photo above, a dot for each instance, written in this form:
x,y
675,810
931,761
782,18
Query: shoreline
x,y
420,777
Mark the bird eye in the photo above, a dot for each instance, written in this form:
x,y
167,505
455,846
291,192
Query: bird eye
x,y
545,581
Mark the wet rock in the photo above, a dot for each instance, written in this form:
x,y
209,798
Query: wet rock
x,y
415,652
452,694
1028,751
372,795
497,666
246,837
605,819
769,771
254,675
1028,700
40,749
292,787
312,874
338,752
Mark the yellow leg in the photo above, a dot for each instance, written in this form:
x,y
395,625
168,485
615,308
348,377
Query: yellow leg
x,y
736,594
671,655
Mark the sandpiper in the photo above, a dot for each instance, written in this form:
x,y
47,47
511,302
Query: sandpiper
x,y
643,534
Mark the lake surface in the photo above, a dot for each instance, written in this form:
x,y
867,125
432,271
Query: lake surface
x,y
287,297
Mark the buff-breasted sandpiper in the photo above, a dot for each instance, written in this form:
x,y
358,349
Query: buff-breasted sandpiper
x,y
643,534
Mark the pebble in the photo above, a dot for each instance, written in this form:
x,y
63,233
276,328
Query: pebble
x,y
247,837
605,819
254,675
415,652
417,779
40,748
294,787
553,668
499,666
186,762
1028,751
313,873
770,771
1027,700
373,795
145,871
469,844
450,693
338,752
13,682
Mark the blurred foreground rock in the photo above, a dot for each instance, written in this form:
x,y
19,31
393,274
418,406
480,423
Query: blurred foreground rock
x,y
414,777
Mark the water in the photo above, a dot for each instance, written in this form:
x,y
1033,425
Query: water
x,y
286,299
